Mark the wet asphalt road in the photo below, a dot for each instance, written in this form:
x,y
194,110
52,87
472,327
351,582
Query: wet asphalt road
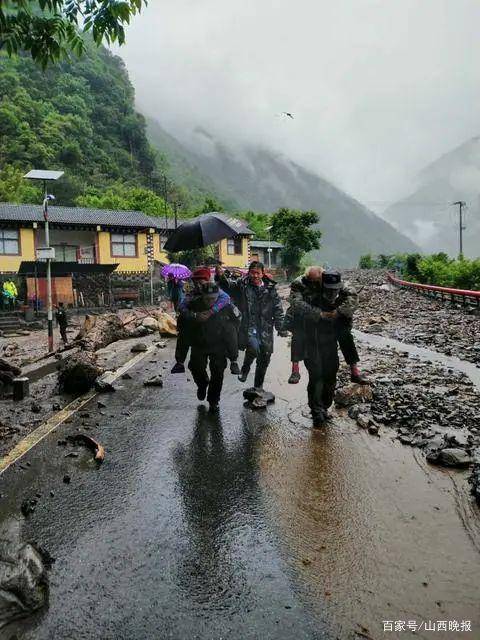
x,y
246,525
172,536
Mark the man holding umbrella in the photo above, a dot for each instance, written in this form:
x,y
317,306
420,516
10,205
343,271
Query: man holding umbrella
x,y
257,298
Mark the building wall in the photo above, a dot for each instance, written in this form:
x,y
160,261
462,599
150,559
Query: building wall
x,y
158,253
137,263
239,260
27,252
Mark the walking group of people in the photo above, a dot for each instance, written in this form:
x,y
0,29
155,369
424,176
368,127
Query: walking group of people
x,y
223,315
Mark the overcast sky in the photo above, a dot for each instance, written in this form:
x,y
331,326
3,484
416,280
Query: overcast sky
x,y
378,88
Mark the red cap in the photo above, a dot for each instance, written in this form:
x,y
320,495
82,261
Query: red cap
x,y
203,273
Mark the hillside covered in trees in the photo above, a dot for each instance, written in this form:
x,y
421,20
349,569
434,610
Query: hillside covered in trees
x,y
78,116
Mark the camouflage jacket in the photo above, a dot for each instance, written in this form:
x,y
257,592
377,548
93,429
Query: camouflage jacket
x,y
306,299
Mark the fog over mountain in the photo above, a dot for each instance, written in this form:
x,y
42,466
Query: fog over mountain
x,y
427,214
256,178
377,89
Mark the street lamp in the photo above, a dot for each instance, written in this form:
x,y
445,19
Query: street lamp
x,y
269,250
47,252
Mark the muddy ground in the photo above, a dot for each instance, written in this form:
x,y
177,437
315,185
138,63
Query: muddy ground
x,y
20,418
414,318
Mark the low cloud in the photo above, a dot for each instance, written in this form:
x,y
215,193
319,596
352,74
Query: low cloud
x,y
377,89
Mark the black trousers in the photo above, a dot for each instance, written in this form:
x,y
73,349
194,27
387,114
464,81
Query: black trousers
x,y
63,332
182,346
320,389
256,351
344,338
198,366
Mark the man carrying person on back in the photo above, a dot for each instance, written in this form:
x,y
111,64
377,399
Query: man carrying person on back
x,y
200,278
257,298
208,334
315,309
308,287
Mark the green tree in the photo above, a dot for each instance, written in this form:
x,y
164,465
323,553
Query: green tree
x,y
122,198
49,29
14,187
294,229
257,222
366,262
77,116
211,204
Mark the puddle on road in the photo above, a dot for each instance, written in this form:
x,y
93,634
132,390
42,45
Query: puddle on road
x,y
451,362
367,525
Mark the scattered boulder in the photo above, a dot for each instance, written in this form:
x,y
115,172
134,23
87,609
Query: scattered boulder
x,y
77,373
450,457
10,349
138,332
251,394
28,506
104,383
139,347
150,323
23,576
36,407
155,381
474,480
353,394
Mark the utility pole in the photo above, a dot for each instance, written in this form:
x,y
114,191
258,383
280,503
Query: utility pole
x,y
461,228
269,250
47,252
175,214
165,202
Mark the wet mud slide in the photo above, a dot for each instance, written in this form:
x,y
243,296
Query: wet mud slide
x,y
244,525
372,531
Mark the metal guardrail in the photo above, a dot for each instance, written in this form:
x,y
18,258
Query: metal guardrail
x,y
465,295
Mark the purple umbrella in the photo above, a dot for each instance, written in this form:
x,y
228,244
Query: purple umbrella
x,y
178,271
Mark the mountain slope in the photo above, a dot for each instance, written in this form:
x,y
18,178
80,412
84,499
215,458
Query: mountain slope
x,y
261,180
78,116
427,214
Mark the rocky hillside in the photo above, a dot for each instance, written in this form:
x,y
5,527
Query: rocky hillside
x,y
427,214
258,179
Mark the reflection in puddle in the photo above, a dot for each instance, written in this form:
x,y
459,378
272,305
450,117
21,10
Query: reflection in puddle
x,y
367,526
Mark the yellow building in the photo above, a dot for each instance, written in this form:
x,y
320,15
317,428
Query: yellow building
x,y
130,240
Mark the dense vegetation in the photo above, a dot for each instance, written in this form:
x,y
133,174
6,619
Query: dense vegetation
x,y
437,269
50,29
77,116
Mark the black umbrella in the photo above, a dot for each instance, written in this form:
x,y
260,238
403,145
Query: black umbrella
x,y
202,231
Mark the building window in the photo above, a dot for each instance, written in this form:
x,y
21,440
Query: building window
x,y
163,240
234,246
9,242
65,252
124,245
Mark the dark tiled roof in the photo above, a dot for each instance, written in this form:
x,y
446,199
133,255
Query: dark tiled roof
x,y
85,216
264,244
78,215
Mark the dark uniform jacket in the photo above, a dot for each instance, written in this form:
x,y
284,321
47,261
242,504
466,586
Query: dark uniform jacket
x,y
260,307
216,335
312,335
61,317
